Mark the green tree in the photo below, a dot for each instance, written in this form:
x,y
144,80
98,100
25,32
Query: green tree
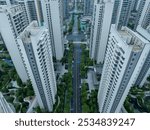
x,y
12,73
9,99
38,109
19,82
20,98
17,107
5,90
85,108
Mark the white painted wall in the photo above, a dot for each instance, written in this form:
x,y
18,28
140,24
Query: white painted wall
x,y
105,31
11,44
98,52
57,25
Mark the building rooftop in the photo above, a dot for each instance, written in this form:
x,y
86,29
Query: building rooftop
x,y
32,30
130,35
131,38
125,36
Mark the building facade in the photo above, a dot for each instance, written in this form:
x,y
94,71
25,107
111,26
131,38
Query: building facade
x,y
4,2
145,71
52,10
7,2
126,55
35,46
88,7
4,106
144,30
101,22
23,5
136,12
32,10
115,11
125,8
145,16
12,23
65,9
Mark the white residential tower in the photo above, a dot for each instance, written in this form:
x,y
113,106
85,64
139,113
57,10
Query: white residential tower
x,y
53,16
102,16
123,15
12,23
126,55
34,43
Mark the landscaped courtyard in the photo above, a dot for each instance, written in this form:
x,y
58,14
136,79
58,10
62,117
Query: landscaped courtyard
x,y
138,99
14,91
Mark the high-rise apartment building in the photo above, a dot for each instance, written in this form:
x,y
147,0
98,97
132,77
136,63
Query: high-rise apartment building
x,y
126,54
32,9
22,3
12,23
35,46
144,30
138,11
38,6
88,7
145,17
65,9
145,71
115,11
101,22
52,10
125,8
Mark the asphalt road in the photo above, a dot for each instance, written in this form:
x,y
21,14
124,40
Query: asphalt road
x,y
76,99
75,35
76,79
